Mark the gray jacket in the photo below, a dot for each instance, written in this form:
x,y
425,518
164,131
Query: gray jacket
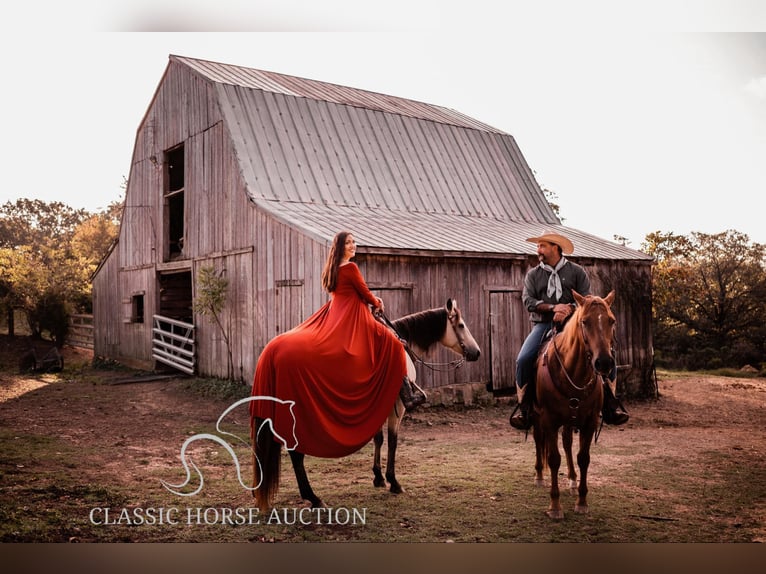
x,y
572,276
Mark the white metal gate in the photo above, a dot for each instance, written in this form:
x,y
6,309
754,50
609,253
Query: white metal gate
x,y
173,343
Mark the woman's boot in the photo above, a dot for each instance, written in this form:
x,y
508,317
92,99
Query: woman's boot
x,y
412,396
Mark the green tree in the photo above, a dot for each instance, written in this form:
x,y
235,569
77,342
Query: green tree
x,y
709,298
48,251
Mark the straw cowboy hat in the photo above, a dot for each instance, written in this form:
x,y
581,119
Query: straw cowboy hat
x,y
555,238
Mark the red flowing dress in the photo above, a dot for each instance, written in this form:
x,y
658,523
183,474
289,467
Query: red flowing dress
x,y
342,368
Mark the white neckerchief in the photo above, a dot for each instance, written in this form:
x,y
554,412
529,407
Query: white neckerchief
x,y
554,281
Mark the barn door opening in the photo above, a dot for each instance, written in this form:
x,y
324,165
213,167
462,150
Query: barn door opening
x,y
173,336
176,296
508,327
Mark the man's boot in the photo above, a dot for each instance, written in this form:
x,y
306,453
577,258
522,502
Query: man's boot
x,y
412,395
521,419
613,411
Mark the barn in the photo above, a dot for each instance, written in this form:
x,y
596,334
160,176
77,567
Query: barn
x,y
250,173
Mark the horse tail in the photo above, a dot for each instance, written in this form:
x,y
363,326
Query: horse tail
x,y
267,458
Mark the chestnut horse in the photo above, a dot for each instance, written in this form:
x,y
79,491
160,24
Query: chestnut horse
x,y
569,394
420,331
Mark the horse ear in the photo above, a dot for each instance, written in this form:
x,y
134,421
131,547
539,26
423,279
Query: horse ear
x,y
609,299
450,305
577,297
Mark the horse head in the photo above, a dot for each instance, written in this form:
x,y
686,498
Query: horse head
x,y
457,335
597,326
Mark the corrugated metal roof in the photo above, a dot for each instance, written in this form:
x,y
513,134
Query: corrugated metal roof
x,y
299,150
400,174
384,229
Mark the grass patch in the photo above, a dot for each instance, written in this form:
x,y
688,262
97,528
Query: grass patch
x,y
218,389
663,374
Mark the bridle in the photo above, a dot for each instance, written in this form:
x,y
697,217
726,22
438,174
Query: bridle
x,y
588,355
574,402
417,359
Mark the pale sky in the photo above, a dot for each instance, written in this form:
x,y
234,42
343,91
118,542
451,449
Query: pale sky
x,y
641,125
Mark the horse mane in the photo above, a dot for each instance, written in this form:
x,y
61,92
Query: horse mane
x,y
570,332
422,329
570,327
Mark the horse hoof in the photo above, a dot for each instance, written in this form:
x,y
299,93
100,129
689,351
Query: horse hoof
x,y
581,508
539,482
396,489
379,482
555,514
315,503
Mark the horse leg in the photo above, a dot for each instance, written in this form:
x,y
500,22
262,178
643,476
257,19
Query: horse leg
x,y
566,438
394,420
583,461
378,442
554,462
307,493
539,455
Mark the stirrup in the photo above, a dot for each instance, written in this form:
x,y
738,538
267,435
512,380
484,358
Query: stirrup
x,y
522,421
615,417
614,413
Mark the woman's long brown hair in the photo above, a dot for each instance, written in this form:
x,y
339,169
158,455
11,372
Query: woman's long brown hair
x,y
330,271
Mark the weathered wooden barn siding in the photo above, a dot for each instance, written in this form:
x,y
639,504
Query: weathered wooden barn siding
x,y
106,324
473,281
219,224
632,309
432,281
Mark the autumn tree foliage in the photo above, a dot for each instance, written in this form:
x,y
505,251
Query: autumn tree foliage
x,y
709,299
48,252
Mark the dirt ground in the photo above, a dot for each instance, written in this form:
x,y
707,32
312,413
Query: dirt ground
x,y
90,438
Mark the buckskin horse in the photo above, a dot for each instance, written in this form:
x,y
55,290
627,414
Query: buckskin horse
x,y
569,396
420,332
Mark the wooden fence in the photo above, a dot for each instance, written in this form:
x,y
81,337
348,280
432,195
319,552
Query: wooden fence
x,y
80,331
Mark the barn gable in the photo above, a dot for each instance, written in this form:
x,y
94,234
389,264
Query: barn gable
x,y
253,173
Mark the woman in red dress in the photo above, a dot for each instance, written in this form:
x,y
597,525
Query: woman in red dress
x,y
341,367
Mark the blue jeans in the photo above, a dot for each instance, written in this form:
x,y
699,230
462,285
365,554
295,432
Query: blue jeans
x,y
527,357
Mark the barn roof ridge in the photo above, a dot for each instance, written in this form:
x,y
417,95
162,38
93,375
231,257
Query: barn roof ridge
x,y
320,90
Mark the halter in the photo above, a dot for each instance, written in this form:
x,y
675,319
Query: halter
x,y
440,367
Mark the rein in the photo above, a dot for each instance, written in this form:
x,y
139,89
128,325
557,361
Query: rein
x,y
440,367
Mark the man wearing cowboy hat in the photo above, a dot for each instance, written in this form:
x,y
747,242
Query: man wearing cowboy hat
x,y
548,297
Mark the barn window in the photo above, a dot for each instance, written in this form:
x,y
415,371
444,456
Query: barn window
x,y
137,308
174,203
